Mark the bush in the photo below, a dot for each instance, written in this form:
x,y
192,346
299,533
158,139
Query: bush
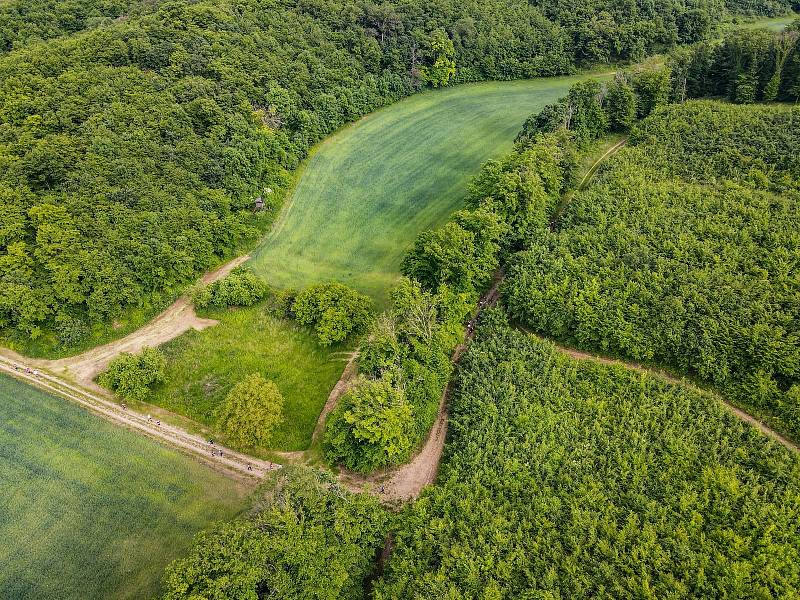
x,y
241,288
334,310
250,412
371,427
133,376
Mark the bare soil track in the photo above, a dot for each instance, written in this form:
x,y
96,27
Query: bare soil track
x,y
227,461
746,417
175,320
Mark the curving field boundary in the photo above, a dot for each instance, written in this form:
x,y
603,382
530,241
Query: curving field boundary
x,y
225,460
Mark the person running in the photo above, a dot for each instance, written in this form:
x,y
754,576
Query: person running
x,y
249,467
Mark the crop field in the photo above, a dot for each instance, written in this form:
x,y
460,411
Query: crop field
x,y
89,510
202,366
369,190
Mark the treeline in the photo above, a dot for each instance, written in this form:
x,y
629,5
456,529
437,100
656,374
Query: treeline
x,y
748,65
305,537
570,479
405,360
684,252
131,153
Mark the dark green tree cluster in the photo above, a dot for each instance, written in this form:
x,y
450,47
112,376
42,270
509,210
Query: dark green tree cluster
x,y
305,538
133,376
132,151
405,366
592,108
748,65
26,21
241,288
405,361
684,253
570,479
334,310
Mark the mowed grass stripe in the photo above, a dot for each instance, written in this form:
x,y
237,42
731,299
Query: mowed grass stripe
x,y
368,190
89,510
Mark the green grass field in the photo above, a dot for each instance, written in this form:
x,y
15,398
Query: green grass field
x,y
89,510
202,366
368,190
773,24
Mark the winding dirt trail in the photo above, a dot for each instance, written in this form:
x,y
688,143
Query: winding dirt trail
x,y
738,412
175,320
224,460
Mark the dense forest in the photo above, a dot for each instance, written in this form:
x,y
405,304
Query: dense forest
x,y
568,479
684,252
305,537
405,359
131,151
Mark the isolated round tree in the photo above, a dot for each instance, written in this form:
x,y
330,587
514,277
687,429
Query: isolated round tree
x,y
251,411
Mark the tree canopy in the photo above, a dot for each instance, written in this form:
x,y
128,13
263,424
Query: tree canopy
x,y
251,410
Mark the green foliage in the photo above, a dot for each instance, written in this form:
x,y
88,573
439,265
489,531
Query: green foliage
x,y
462,254
443,67
621,101
653,89
748,65
372,425
334,310
307,538
251,411
405,365
203,366
592,108
241,288
77,489
569,479
133,376
682,254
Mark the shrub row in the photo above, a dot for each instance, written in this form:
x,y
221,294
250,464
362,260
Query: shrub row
x,y
405,361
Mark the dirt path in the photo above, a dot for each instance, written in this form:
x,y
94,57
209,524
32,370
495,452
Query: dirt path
x,y
175,320
742,415
226,461
587,179
406,482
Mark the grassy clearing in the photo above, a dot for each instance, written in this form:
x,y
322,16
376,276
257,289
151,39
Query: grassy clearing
x,y
776,24
368,190
202,366
89,510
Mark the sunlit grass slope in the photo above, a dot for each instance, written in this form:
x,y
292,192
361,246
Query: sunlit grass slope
x,y
202,367
89,510
369,190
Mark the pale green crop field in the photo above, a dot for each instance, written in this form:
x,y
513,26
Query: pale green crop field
x,y
368,190
89,510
